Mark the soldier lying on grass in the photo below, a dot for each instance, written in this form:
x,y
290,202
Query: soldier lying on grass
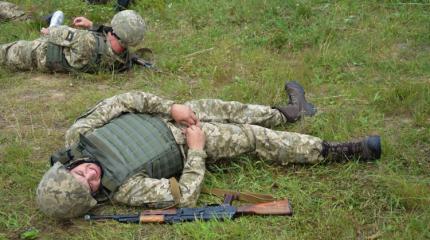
x,y
66,49
129,147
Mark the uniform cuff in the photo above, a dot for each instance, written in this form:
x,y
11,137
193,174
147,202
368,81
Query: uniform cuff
x,y
167,105
96,28
197,153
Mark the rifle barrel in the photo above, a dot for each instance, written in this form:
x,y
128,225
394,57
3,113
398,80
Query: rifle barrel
x,y
119,218
98,217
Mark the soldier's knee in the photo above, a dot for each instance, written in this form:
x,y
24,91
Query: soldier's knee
x,y
3,52
2,55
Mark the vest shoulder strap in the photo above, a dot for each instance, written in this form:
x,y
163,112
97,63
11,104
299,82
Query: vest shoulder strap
x,y
67,155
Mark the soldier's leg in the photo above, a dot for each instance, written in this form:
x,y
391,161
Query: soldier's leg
x,y
10,11
24,55
230,140
215,110
18,55
3,51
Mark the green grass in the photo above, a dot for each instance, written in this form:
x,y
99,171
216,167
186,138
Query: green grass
x,y
365,64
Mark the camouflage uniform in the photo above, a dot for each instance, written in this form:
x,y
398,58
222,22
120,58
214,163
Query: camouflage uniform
x,y
231,129
78,49
10,11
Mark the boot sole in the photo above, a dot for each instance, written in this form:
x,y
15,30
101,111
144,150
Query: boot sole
x,y
374,145
310,109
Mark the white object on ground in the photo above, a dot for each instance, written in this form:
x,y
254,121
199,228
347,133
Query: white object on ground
x,y
57,18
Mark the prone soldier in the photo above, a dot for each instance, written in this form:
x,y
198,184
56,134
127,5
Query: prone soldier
x,y
66,49
129,147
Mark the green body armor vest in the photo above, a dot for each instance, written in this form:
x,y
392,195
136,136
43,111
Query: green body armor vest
x,y
57,62
132,143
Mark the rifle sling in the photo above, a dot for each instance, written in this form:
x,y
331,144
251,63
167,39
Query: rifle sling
x,y
241,196
176,191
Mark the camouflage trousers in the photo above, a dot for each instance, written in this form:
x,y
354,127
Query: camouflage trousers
x,y
10,11
234,128
24,55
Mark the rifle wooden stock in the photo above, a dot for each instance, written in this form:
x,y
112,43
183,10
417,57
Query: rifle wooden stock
x,y
281,207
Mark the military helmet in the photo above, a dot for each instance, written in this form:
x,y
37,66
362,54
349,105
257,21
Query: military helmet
x,y
60,195
129,26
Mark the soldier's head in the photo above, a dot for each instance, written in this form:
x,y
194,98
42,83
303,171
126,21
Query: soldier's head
x,y
128,27
67,191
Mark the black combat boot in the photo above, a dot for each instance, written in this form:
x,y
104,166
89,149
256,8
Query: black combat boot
x,y
296,95
365,149
297,106
291,112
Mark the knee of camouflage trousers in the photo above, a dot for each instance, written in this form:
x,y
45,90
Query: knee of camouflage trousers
x,y
3,52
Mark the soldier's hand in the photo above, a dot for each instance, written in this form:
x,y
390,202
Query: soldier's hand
x,y
82,22
44,31
184,115
195,137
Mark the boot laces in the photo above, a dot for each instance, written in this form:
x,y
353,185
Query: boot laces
x,y
293,98
347,149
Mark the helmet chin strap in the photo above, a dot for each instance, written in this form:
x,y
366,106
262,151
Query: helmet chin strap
x,y
115,43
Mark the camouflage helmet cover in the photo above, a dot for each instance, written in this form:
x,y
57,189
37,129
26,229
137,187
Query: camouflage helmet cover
x,y
129,26
60,195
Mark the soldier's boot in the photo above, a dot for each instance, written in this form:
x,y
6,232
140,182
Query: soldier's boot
x,y
365,149
291,112
297,106
296,95
122,5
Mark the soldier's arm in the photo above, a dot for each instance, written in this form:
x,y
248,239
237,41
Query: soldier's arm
x,y
100,28
140,190
85,23
112,107
61,35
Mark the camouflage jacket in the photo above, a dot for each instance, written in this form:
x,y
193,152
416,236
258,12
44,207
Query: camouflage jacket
x,y
140,190
79,47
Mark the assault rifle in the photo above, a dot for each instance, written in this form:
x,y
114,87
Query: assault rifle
x,y
218,212
144,57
